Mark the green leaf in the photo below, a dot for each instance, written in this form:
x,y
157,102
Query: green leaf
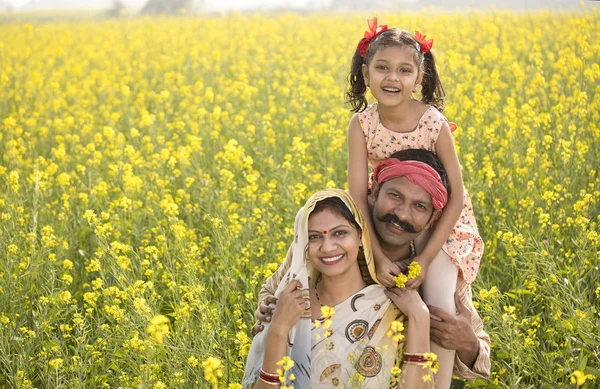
x,y
592,370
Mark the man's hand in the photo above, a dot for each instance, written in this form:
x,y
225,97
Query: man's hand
x,y
455,332
264,313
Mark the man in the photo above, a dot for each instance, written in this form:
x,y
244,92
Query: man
x,y
402,213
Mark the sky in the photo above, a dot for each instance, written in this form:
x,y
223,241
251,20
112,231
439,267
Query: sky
x,y
227,5
206,4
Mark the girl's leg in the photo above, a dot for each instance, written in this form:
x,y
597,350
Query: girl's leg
x,y
438,290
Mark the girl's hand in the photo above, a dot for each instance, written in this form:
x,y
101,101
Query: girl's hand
x,y
290,306
409,301
418,280
386,271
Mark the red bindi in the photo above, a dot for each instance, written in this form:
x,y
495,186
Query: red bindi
x,y
324,232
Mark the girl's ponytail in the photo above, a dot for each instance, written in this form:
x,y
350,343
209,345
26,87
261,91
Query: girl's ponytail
x,y
356,93
432,91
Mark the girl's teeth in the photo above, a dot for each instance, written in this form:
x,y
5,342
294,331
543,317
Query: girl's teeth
x,y
332,259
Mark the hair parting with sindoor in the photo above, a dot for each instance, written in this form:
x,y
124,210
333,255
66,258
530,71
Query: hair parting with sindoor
x,y
432,91
337,206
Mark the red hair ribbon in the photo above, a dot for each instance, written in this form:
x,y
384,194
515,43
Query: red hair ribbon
x,y
370,34
424,45
418,173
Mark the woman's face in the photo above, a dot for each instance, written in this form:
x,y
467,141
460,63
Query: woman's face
x,y
333,243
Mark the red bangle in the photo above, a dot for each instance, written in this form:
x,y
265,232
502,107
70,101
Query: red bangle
x,y
268,377
415,358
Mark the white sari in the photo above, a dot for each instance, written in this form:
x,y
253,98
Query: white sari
x,y
357,353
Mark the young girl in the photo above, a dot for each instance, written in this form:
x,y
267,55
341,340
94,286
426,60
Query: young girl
x,y
394,64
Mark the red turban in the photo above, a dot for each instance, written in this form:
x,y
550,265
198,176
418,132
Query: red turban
x,y
418,173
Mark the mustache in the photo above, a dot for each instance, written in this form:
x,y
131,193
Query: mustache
x,y
391,218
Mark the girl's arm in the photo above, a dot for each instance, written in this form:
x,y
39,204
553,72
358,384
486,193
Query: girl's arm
x,y
358,174
446,152
290,307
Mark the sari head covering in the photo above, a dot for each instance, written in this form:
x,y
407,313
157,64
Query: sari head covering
x,y
356,345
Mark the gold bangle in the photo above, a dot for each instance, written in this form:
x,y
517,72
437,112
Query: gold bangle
x,y
268,375
414,363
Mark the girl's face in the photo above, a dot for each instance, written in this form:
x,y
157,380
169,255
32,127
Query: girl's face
x,y
392,75
333,243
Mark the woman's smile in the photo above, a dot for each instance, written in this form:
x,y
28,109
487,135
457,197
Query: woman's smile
x,y
332,260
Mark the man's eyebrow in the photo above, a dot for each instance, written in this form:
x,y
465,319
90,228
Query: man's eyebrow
x,y
419,201
425,201
392,189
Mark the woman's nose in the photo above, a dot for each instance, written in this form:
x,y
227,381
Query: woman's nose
x,y
328,245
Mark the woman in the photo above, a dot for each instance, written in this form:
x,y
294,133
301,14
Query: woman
x,y
332,266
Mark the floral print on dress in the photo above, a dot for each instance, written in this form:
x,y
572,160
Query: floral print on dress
x,y
464,245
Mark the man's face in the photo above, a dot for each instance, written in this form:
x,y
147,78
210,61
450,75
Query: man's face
x,y
401,211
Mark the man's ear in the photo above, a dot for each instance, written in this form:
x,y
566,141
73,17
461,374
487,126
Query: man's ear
x,y
437,213
373,195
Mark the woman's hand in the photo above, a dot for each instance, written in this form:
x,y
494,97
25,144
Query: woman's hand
x,y
409,301
290,306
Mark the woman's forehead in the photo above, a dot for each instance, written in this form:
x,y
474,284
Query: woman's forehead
x,y
326,216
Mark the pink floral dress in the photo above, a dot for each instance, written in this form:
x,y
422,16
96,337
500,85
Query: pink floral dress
x,y
464,245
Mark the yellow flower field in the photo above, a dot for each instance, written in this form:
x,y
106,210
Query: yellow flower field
x,y
150,171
